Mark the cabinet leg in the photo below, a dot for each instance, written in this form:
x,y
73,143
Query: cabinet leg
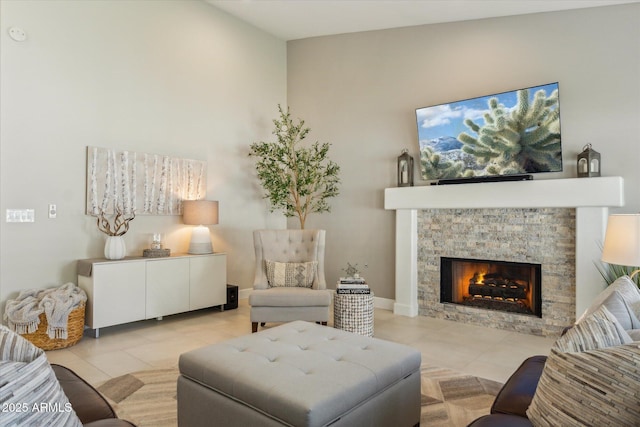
x,y
254,327
159,318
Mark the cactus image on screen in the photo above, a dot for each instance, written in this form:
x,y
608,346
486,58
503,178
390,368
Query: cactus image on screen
x,y
433,164
510,133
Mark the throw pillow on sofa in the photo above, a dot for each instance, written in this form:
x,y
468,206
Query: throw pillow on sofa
x,y
628,291
590,378
592,388
600,329
29,391
620,308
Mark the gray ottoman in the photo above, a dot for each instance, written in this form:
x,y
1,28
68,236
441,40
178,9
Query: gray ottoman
x,y
300,374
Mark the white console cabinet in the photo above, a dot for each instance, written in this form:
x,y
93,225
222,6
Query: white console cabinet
x,y
139,288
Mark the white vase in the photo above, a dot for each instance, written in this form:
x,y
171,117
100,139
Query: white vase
x,y
114,247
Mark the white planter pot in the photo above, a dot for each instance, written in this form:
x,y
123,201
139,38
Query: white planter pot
x,y
114,247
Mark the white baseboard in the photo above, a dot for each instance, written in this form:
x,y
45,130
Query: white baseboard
x,y
383,303
244,293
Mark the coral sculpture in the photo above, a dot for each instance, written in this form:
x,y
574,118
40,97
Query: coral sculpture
x,y
520,140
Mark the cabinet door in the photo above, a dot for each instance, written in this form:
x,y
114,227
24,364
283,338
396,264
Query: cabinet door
x,y
167,287
208,281
118,293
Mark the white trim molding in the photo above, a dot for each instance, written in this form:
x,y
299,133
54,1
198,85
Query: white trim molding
x,y
591,197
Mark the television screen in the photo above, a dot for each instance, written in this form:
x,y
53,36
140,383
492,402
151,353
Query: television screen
x,y
509,133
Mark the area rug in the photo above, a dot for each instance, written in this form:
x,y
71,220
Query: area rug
x,y
449,398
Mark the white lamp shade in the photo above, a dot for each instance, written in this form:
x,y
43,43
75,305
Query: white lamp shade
x,y
622,240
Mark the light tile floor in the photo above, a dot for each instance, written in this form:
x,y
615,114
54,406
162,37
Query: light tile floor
x,y
476,350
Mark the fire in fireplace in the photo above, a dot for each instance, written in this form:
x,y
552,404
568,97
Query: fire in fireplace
x,y
494,285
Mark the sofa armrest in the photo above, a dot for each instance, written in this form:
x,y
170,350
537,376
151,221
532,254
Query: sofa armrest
x,y
501,420
515,396
85,400
110,422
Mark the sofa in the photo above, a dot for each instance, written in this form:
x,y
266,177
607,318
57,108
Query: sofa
x,y
36,393
89,405
591,376
510,406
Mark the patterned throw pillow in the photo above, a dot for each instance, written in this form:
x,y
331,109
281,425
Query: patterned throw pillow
x,y
29,391
591,377
627,289
598,330
592,388
291,274
619,307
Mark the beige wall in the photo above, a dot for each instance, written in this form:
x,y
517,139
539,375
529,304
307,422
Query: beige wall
x,y
169,77
184,79
359,91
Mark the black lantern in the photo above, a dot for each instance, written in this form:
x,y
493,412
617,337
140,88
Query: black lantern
x,y
588,162
405,169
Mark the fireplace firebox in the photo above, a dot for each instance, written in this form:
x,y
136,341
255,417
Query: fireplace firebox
x,y
494,285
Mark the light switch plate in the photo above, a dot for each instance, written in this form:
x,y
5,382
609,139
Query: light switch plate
x,y
21,215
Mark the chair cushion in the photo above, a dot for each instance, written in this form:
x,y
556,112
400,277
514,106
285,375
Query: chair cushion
x,y
290,297
291,274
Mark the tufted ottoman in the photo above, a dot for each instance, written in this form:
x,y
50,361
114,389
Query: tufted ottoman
x,y
300,374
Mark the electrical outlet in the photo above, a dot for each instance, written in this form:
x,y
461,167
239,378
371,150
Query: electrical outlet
x,y
53,210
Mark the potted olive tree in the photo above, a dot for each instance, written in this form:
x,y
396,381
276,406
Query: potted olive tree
x,y
297,179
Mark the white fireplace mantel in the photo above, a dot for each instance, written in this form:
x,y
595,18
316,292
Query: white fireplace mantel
x,y
591,197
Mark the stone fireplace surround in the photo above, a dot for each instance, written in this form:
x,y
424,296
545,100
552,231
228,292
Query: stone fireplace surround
x,y
587,198
531,235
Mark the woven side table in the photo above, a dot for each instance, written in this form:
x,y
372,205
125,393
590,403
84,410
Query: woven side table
x,y
353,313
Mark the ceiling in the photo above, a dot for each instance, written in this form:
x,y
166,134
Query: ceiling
x,y
297,19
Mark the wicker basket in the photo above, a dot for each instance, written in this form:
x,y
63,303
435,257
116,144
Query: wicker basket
x,y
75,329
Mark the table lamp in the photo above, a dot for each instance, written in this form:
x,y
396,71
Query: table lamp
x,y
200,213
622,241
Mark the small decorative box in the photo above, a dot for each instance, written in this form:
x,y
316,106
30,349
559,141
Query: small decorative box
x,y
156,253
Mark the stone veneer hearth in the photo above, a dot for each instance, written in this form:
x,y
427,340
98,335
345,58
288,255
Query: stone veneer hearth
x,y
532,235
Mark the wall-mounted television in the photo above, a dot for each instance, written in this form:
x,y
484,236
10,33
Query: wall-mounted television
x,y
506,134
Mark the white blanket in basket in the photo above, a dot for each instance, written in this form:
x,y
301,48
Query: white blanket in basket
x,y
23,313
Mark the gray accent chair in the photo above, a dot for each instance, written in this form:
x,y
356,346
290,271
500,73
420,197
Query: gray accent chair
x,y
285,304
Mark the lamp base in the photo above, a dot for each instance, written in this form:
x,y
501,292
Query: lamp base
x,y
200,241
